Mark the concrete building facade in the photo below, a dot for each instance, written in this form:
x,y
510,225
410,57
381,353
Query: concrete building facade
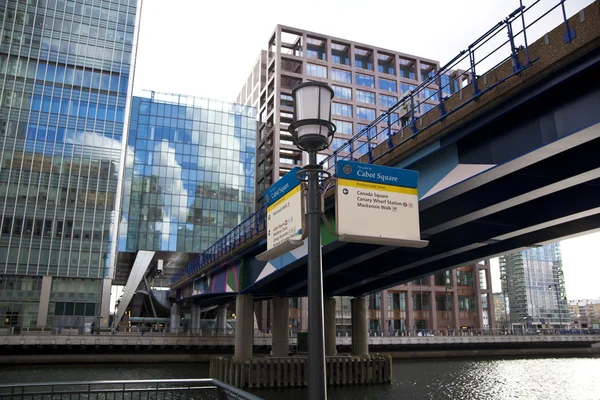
x,y
585,313
65,70
367,81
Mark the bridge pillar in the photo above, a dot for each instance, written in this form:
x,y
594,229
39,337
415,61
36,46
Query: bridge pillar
x,y
195,322
329,306
244,326
281,335
455,314
360,326
433,315
222,320
410,317
175,318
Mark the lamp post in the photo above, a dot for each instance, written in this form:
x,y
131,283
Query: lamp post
x,y
557,302
100,317
507,317
448,318
312,131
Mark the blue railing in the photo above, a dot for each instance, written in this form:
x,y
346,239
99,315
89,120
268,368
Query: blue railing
x,y
404,116
250,227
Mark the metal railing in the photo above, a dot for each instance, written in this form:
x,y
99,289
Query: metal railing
x,y
405,118
250,227
167,389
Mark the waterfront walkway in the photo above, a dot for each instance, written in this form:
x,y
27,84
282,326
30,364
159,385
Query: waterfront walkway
x,y
189,340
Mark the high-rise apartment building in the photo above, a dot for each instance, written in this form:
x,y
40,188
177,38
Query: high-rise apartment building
x,y
64,80
534,283
367,81
189,176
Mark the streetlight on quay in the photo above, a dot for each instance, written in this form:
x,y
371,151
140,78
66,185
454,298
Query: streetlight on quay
x,y
507,318
312,131
557,302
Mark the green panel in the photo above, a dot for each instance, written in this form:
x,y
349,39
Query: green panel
x,y
231,278
326,236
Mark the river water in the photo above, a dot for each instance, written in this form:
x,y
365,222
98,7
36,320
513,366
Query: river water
x,y
489,379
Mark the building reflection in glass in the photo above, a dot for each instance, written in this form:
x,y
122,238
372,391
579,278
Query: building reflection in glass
x,y
190,172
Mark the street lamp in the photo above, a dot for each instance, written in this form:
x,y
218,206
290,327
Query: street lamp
x,y
507,317
312,131
557,302
448,288
100,317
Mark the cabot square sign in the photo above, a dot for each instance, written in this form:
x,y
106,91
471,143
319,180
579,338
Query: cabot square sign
x,y
285,210
376,204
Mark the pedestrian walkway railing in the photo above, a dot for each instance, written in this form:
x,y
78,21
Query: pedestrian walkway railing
x,y
169,389
438,95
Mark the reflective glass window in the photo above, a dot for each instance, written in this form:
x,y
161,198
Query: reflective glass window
x,y
386,84
343,127
344,110
365,97
365,113
342,92
341,75
387,101
316,70
365,80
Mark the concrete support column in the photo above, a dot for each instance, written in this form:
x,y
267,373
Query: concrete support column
x,y
195,322
410,314
42,317
105,302
175,318
384,313
244,326
222,320
433,315
330,326
490,296
304,314
455,313
478,297
360,326
263,323
281,335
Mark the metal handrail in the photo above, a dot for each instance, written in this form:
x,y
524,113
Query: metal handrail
x,y
99,390
364,141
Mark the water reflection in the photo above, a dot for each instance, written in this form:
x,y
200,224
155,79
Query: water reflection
x,y
530,379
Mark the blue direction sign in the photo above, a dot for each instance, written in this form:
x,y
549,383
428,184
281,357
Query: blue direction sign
x,y
377,174
377,204
285,210
282,186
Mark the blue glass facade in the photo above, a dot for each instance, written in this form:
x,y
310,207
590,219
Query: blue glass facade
x,y
64,76
189,176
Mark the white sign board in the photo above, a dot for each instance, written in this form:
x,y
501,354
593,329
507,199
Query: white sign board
x,y
285,211
376,204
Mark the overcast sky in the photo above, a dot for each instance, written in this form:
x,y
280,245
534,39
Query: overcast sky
x,y
207,49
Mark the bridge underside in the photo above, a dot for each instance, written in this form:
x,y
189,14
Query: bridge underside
x,y
545,186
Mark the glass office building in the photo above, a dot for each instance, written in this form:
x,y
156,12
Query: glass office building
x,y
64,78
189,176
533,282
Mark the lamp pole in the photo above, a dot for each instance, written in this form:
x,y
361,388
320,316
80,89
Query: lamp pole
x,y
505,292
557,302
100,316
313,131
